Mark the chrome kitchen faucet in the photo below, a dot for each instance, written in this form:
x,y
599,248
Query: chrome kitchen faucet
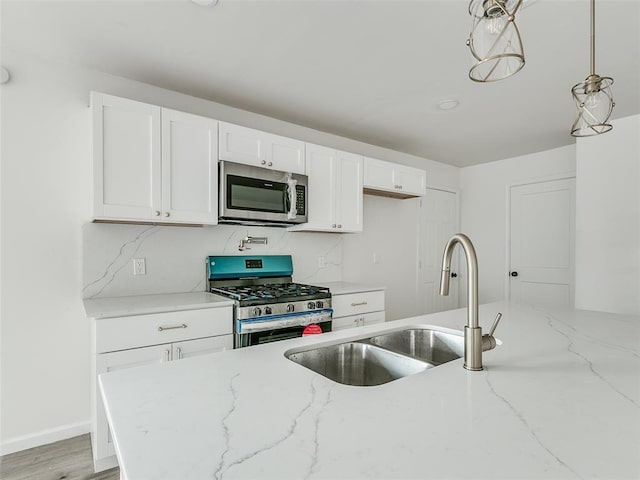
x,y
474,342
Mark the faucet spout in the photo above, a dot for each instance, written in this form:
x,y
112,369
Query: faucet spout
x,y
472,274
472,332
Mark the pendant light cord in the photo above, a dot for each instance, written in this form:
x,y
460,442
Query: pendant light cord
x,y
593,37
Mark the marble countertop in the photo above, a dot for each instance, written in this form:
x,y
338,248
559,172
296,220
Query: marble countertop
x,y
343,288
108,307
558,399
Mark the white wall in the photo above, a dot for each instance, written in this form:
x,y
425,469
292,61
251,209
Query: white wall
x,y
608,219
392,233
483,208
45,204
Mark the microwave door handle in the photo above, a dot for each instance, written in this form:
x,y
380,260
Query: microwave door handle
x,y
289,202
287,198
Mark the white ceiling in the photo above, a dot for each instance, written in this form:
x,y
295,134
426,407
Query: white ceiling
x,y
368,70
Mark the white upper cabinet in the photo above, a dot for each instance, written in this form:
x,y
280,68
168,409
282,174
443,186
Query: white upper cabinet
x,y
393,180
334,191
126,158
152,164
261,149
189,168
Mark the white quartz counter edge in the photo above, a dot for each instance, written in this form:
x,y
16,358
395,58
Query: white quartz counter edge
x,y
558,399
345,288
109,307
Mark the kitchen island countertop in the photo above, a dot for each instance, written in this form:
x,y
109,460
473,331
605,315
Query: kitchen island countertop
x,y
558,399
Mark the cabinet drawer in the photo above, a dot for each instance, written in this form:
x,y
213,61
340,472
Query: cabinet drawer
x,y
120,333
357,320
357,303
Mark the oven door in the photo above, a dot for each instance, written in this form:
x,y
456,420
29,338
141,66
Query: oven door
x,y
259,194
279,327
275,335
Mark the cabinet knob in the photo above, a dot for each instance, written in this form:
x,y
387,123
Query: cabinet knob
x,y
156,213
269,164
339,226
400,187
263,162
513,274
333,226
166,214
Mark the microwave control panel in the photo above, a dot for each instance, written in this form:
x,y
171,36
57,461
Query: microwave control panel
x,y
300,203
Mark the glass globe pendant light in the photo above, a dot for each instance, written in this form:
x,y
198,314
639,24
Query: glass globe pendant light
x,y
593,97
494,40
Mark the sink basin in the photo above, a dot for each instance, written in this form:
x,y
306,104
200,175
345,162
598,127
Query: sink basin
x,y
432,346
359,364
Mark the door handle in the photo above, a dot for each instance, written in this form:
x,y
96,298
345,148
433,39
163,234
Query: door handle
x,y
513,274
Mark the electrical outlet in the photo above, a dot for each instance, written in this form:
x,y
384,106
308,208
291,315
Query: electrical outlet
x,y
321,262
139,266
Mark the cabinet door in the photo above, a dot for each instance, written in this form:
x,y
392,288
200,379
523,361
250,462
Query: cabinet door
x,y
346,322
321,190
109,362
285,154
192,348
189,168
348,207
410,181
373,318
126,158
378,174
242,145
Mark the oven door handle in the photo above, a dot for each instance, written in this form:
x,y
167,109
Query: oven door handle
x,y
283,321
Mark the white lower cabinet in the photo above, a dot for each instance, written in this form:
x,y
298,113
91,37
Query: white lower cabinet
x,y
357,320
134,341
357,309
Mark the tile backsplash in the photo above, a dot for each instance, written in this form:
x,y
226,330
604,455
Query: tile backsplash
x,y
175,256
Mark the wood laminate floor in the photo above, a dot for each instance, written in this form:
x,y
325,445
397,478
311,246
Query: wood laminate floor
x,y
64,460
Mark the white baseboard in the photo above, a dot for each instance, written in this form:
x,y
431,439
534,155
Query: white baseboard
x,y
44,437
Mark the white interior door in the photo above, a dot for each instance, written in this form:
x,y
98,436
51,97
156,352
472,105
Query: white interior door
x,y
542,243
439,221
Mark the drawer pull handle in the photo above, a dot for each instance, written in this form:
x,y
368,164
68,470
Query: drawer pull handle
x,y
173,327
358,304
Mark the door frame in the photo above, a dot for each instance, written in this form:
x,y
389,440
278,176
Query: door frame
x,y
507,245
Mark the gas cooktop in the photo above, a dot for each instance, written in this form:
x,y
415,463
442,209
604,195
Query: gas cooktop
x,y
261,294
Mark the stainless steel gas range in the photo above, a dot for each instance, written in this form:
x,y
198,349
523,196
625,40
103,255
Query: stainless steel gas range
x,y
269,305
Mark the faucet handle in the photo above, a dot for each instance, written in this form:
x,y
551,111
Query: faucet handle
x,y
488,341
495,324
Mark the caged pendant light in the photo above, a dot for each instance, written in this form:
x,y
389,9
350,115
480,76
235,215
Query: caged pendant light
x,y
593,97
494,40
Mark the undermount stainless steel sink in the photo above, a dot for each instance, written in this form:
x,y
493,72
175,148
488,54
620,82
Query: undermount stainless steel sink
x,y
355,363
433,346
382,358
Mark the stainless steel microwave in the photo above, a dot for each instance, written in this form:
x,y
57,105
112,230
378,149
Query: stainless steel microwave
x,y
261,196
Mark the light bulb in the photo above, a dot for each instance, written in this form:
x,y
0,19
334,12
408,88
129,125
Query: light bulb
x,y
495,25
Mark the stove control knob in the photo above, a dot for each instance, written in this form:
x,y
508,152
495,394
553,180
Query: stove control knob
x,y
267,310
319,304
290,308
311,305
256,311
